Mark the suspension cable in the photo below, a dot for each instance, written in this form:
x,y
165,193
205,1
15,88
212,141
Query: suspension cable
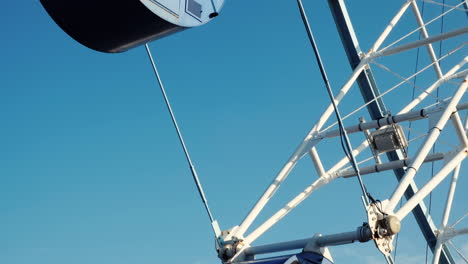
x,y
181,139
416,67
345,142
437,101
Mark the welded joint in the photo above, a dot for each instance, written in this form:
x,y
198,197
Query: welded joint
x,y
329,177
447,233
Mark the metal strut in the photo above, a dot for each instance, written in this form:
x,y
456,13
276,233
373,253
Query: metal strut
x,y
215,12
181,139
377,110
344,134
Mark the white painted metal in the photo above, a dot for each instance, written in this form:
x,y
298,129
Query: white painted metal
x,y
308,142
344,161
390,26
425,35
446,216
409,116
434,86
317,162
448,203
388,166
303,148
282,175
426,147
323,180
452,74
331,174
459,129
433,183
419,43
451,194
447,109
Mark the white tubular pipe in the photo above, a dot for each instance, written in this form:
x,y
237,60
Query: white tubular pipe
x,y
303,148
448,207
451,194
345,160
396,164
409,116
282,175
277,247
426,147
419,43
430,50
390,26
463,231
344,89
437,251
409,107
453,186
323,180
308,143
361,234
429,186
317,162
434,86
459,129
287,208
459,75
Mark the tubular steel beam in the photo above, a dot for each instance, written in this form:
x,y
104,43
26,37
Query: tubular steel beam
x,y
377,110
361,234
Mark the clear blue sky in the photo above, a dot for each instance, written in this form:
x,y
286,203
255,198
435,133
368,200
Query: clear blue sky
x,y
91,170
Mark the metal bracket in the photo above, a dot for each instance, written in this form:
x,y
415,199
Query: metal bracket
x,y
383,227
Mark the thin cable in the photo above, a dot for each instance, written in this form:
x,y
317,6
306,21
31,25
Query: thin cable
x,y
347,146
458,251
419,28
437,101
422,135
181,139
396,86
459,220
437,3
413,84
416,70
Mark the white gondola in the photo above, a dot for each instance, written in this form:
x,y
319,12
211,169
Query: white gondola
x,y
116,26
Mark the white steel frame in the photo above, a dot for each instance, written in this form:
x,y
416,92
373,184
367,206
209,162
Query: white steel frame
x,y
441,114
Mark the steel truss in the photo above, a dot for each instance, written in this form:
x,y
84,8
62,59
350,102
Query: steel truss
x,y
406,168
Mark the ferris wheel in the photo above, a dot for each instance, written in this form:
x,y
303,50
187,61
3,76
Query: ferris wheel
x,y
423,131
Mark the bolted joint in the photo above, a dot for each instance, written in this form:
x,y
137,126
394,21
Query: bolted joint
x,y
230,249
383,226
389,226
226,252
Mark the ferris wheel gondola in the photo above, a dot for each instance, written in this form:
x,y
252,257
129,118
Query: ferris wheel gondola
x,y
116,26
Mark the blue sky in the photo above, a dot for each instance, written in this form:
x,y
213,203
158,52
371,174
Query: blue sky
x,y
91,170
